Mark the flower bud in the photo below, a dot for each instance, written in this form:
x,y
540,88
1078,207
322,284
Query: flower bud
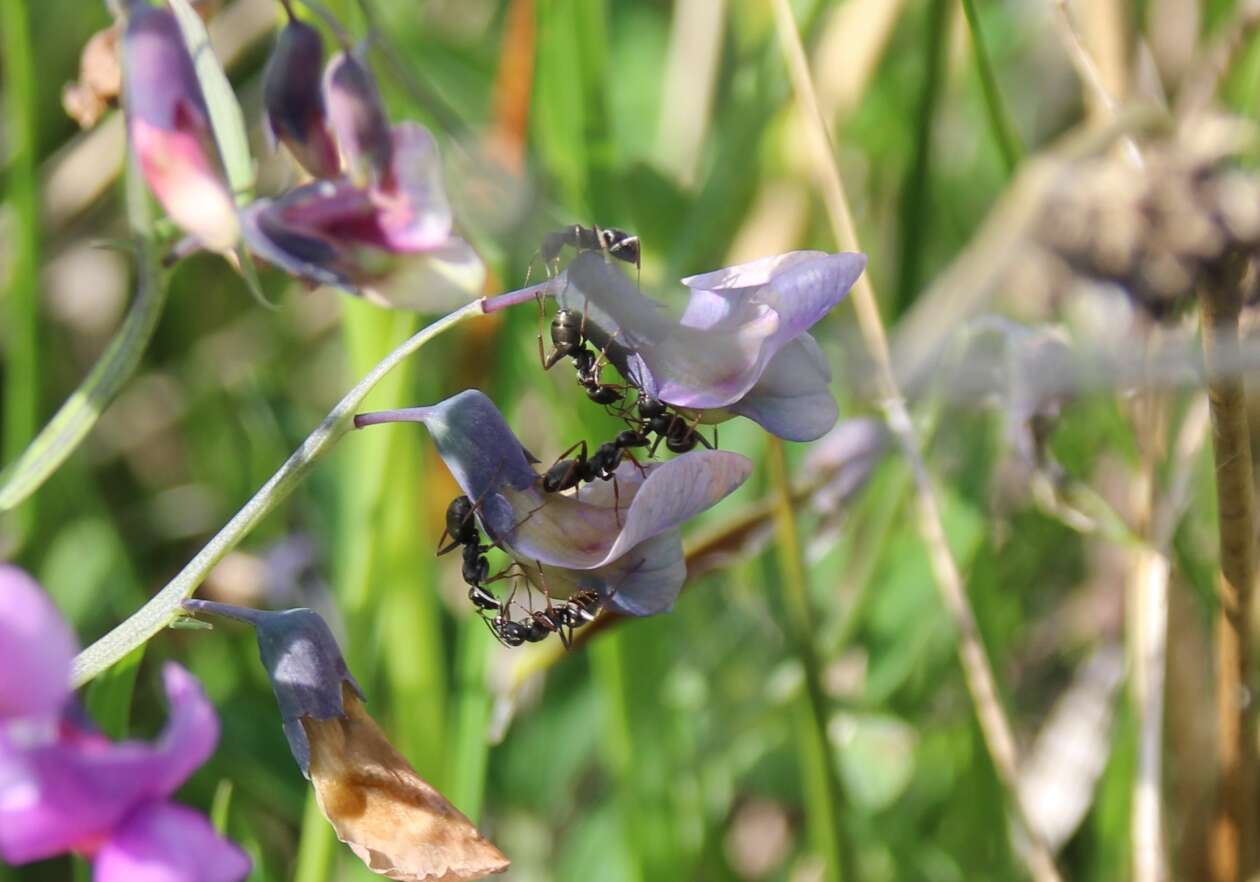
x,y
170,131
359,121
294,101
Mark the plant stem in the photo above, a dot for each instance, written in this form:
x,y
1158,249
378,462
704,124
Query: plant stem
x,y
999,115
76,417
819,778
1231,846
165,605
21,316
979,677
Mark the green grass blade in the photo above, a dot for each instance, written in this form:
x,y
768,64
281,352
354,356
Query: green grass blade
x,y
108,698
1000,122
469,750
76,417
21,316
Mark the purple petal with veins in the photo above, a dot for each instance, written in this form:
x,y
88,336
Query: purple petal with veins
x,y
619,537
737,323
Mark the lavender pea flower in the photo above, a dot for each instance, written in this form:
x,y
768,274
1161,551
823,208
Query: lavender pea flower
x,y
395,246
66,788
620,538
169,127
359,121
741,346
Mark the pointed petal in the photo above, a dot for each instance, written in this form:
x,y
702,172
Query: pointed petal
x,y
164,842
37,647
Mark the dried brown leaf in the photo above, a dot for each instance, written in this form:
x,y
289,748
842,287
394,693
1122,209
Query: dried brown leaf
x,y
389,816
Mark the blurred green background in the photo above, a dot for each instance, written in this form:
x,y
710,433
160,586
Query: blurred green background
x,y
671,748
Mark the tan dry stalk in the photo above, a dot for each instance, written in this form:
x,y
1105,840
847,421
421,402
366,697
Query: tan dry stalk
x,y
1232,837
975,663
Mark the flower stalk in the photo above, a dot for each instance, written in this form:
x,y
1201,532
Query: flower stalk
x,y
1232,842
819,775
165,605
76,417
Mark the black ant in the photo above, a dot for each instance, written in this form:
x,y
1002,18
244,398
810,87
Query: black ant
x,y
613,242
562,619
569,336
656,418
566,474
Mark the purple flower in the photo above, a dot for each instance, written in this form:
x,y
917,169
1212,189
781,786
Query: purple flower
x,y
393,243
620,538
296,114
741,346
359,120
65,787
169,128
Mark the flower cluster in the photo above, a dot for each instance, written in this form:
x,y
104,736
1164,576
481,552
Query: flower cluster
x,y
64,787
375,221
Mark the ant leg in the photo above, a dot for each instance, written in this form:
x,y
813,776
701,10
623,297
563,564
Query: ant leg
x,y
542,317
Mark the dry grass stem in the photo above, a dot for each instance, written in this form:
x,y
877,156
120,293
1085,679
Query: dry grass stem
x,y
975,664
1232,844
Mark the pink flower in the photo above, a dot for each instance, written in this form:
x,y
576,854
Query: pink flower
x,y
64,787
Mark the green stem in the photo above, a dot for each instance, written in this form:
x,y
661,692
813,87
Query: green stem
x,y
821,784
21,386
1000,121
76,417
164,606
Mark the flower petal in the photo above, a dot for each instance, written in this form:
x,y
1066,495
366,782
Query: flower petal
x,y
37,647
792,399
584,531
358,119
418,216
304,663
437,281
477,446
294,100
389,816
70,792
729,333
170,129
165,842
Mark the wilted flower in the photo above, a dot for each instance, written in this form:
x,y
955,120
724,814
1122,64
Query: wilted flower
x,y
296,114
394,245
395,822
741,347
170,129
619,538
65,787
